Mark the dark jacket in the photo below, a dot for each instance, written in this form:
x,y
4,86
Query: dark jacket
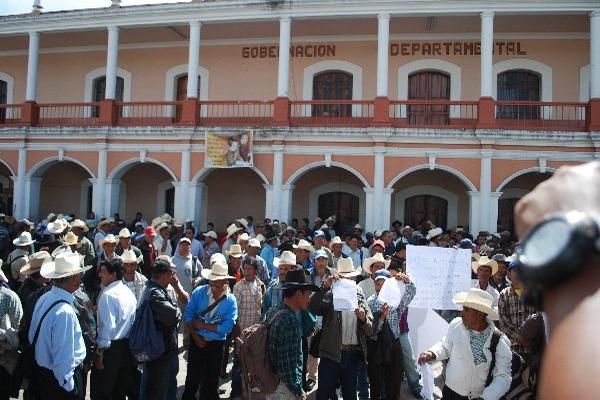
x,y
321,303
166,316
85,315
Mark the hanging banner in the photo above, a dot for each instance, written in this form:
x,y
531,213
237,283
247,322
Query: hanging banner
x,y
229,150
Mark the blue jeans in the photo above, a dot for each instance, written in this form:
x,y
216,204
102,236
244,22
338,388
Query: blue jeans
x,y
346,372
409,364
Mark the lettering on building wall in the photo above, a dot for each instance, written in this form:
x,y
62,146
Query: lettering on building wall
x,y
304,51
453,48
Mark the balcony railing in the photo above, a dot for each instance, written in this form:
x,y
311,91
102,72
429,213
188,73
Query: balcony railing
x,y
433,114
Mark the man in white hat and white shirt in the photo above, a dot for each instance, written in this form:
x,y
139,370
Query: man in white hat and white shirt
x,y
135,281
59,347
124,238
162,242
484,268
233,231
85,246
211,246
466,346
102,229
18,258
253,250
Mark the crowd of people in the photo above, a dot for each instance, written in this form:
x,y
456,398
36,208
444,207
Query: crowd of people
x,y
77,290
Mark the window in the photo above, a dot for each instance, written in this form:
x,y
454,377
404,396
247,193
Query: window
x,y
426,207
344,206
99,91
181,92
3,99
519,85
428,85
332,85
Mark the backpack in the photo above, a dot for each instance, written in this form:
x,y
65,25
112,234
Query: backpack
x,y
257,371
146,341
7,269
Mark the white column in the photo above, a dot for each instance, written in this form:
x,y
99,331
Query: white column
x,y
112,61
196,204
277,182
383,44
182,195
485,188
285,203
494,200
473,212
19,204
595,54
99,186
113,197
487,48
32,197
32,66
386,208
370,223
285,25
378,188
193,59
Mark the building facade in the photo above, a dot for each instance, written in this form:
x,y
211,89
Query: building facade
x,y
370,110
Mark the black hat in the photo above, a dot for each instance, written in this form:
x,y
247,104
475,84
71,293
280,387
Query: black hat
x,y
297,279
271,235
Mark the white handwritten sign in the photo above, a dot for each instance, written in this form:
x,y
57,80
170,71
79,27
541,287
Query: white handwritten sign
x,y
438,273
345,297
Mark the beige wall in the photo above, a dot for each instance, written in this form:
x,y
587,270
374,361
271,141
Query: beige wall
x,y
60,190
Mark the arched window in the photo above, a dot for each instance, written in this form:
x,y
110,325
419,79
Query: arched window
x,y
433,208
428,85
99,91
518,85
344,206
332,85
3,99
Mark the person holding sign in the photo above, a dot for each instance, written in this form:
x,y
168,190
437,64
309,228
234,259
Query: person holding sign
x,y
385,350
344,333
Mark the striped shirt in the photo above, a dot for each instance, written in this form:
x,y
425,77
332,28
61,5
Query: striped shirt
x,y
395,314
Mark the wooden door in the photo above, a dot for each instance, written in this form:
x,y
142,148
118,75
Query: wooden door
x,y
518,85
428,85
426,207
181,92
332,85
344,206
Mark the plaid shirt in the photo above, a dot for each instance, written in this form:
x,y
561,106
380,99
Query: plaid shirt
x,y
249,303
395,315
512,314
284,339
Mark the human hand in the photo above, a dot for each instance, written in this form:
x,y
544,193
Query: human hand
x,y
329,282
198,324
360,314
199,341
385,310
99,364
402,277
426,356
570,188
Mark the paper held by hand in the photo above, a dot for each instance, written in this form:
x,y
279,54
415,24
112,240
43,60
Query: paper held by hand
x,y
345,295
391,292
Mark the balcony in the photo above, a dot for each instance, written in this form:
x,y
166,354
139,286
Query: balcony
x,y
434,114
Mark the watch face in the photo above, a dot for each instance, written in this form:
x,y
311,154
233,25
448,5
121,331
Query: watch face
x,y
546,243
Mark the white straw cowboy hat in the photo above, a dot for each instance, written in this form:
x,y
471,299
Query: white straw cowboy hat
x,y
110,238
24,239
161,226
65,264
211,234
434,233
477,299
254,242
244,237
218,271
58,226
235,251
231,229
243,222
377,258
129,256
304,245
475,256
70,239
260,237
287,258
124,233
335,240
345,268
35,262
80,224
106,221
484,261
217,257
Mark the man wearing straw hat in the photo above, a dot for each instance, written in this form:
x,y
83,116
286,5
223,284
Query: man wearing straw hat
x,y
233,231
124,239
252,250
135,281
18,258
59,346
485,268
303,252
85,246
466,346
210,314
102,229
34,279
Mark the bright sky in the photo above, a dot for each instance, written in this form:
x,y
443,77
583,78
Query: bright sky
x,y
10,7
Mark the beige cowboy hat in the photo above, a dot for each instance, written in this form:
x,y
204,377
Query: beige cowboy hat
x,y
244,237
57,226
235,251
287,258
336,240
80,224
303,245
106,221
35,262
231,229
477,299
166,217
64,264
484,261
70,239
377,258
110,238
218,271
345,268
475,256
129,256
217,257
243,222
178,222
161,226
260,237
156,221
124,233
434,233
24,239
211,234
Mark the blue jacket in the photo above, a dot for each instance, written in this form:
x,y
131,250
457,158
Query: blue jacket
x,y
224,315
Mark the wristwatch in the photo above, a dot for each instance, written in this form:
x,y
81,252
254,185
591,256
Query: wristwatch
x,y
557,248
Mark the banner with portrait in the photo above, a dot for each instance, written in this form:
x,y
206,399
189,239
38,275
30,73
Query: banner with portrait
x,y
225,150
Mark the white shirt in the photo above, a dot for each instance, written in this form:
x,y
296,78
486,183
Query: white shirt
x,y
462,375
116,312
158,242
490,290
